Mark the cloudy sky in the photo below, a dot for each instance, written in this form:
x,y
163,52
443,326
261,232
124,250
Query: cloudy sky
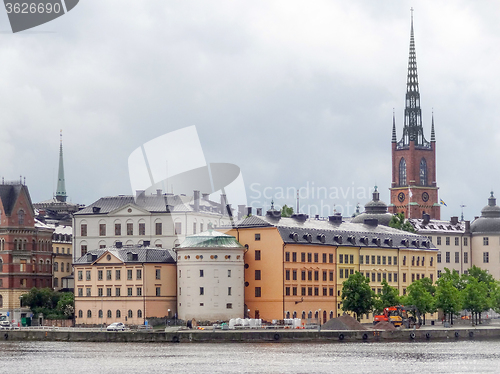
x,y
297,94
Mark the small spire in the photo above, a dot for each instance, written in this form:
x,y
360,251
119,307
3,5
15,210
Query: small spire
x,y
272,204
376,195
61,185
394,140
433,134
492,201
298,202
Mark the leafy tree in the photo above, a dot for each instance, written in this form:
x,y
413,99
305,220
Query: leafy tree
x,y
398,221
448,297
475,296
357,295
459,282
388,297
419,294
53,305
286,211
486,279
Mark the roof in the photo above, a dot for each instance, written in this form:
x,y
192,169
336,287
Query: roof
x,y
302,230
144,254
152,203
9,193
438,226
489,222
374,209
210,239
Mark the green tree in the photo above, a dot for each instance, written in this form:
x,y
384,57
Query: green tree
x,y
398,221
286,211
388,297
448,297
421,294
475,296
357,295
53,305
486,279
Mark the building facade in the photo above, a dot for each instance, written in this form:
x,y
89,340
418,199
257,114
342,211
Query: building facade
x,y
414,188
62,252
210,277
162,219
25,249
125,284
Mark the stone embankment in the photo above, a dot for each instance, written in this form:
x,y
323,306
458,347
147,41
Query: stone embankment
x,y
255,336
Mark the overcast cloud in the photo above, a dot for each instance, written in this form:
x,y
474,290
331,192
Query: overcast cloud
x,y
295,93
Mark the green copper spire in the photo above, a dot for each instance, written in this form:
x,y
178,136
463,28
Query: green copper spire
x,y
61,186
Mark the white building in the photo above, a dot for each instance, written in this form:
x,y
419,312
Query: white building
x,y
210,277
163,220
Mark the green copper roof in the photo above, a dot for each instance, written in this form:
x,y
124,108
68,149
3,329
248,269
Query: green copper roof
x,y
210,239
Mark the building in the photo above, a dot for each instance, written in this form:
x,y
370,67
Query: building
x,y
210,277
414,188
162,219
295,267
62,252
125,284
25,249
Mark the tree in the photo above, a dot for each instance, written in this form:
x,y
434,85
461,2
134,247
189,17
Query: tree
x,y
357,295
398,221
486,281
388,297
475,296
448,297
286,211
420,295
53,305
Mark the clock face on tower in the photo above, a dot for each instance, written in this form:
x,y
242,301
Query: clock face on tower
x,y
425,196
401,197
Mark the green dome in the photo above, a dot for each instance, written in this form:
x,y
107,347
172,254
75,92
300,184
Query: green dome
x,y
210,239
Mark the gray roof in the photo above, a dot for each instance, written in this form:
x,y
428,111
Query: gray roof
x,y
324,232
152,203
144,254
9,193
489,222
437,226
375,209
210,239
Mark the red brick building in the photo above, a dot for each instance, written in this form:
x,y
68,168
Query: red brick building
x,y
414,189
25,248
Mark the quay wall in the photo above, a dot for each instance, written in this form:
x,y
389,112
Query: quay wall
x,y
253,336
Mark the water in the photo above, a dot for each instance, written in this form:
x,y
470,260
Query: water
x,y
417,357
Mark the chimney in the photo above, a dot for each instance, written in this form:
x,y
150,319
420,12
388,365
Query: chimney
x,y
223,203
467,226
259,212
454,220
158,192
426,219
241,211
139,193
96,209
300,217
249,211
205,196
336,219
119,245
196,197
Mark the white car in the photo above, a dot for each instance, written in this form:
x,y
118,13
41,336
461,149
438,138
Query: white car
x,y
116,326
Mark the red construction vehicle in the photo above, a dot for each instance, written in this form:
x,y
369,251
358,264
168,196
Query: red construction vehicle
x,y
392,314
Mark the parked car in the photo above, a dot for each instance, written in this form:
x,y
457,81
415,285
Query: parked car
x,y
116,326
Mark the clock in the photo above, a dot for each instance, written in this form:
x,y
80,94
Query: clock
x,y
425,196
401,197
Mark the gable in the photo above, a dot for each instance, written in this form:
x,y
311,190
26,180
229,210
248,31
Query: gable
x,y
129,210
107,258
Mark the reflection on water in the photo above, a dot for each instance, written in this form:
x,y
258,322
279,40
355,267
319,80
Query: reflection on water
x,y
417,357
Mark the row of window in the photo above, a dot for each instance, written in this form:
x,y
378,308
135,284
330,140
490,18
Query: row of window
x,y
457,257
378,260
309,275
56,266
63,250
118,314
311,257
202,273
141,231
304,291
100,273
378,277
202,291
21,245
100,291
457,240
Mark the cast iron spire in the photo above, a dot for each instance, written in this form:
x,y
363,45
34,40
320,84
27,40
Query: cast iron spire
x,y
61,186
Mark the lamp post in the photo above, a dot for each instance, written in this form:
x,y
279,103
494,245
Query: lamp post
x,y
248,313
168,317
319,320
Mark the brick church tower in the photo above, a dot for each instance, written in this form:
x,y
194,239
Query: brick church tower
x,y
414,190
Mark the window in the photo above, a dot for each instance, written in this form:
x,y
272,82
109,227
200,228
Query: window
x,y
432,261
109,314
108,291
142,229
229,306
330,258
367,260
361,260
257,255
102,229
83,249
438,257
395,260
486,257
316,275
108,275
303,275
316,291
294,291
404,260
466,242
373,277
402,172
325,276
118,291
83,229
158,274
118,314
404,277
389,260
457,257
294,275
457,241
423,172
178,228
80,276
89,313
485,240
395,277
447,240
316,257
201,273
130,229
87,275
466,257
346,259
389,277
447,257
412,277
309,291
331,276
229,291
257,292
379,277
287,256
325,291
56,282
294,256
373,260
413,261
129,314
309,275
158,291
303,291
257,236
324,258
302,257
118,229
341,259
80,292
139,291
56,266
99,275
438,240
158,228
287,275
129,274
384,259
257,274
367,274
138,274
229,273
118,274
89,291
194,227
129,291
341,273
309,257
439,273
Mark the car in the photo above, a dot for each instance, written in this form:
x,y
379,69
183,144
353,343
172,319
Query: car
x,y
116,326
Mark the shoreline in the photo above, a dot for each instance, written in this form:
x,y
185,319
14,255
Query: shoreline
x,y
423,334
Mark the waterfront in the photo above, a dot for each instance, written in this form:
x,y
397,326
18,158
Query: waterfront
x,y
413,357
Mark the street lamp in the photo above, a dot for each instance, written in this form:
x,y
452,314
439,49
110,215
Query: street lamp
x,y
168,317
248,313
319,320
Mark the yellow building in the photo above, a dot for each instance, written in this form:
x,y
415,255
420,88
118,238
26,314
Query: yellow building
x,y
295,267
62,252
125,284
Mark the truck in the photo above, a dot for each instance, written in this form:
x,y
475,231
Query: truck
x,y
398,316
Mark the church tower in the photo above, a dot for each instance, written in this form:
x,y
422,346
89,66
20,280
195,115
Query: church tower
x,y
413,190
61,185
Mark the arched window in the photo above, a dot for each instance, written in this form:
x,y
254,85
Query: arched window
x,y
287,314
100,313
303,314
402,172
67,267
294,314
20,217
56,266
331,314
310,315
130,314
89,313
80,314
62,266
139,313
110,314
423,172
118,313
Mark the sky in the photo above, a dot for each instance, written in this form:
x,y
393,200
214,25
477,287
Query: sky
x,y
299,95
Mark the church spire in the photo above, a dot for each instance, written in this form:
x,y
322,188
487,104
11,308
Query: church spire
x,y
394,139
413,130
61,186
433,135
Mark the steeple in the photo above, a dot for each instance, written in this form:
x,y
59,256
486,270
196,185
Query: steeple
x,y
433,135
413,130
394,139
61,186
